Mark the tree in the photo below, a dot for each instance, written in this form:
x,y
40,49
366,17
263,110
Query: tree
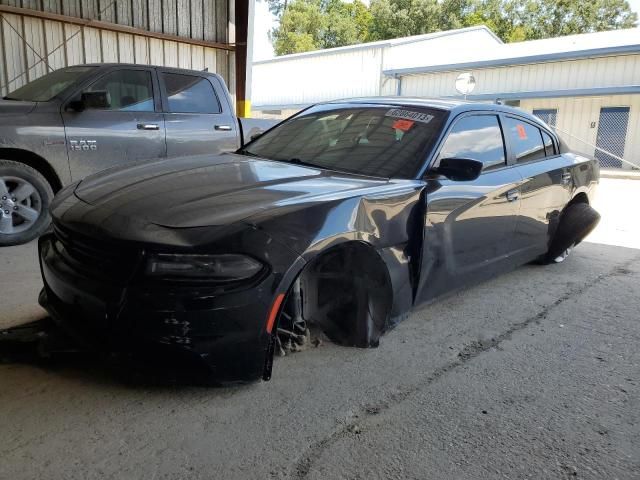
x,y
277,7
511,20
544,19
401,18
313,24
515,20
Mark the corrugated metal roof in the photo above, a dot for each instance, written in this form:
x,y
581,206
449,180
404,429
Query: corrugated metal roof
x,y
382,43
614,42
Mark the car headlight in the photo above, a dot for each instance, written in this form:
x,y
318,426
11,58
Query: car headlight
x,y
222,267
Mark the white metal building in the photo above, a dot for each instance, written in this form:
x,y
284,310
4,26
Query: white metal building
x,y
588,86
37,36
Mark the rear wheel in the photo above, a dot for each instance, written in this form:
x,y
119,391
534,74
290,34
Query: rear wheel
x,y
577,221
25,196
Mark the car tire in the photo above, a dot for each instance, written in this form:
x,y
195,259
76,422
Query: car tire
x,y
25,196
577,221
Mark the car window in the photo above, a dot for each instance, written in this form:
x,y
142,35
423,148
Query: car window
x,y
380,141
190,94
549,148
526,140
128,90
478,137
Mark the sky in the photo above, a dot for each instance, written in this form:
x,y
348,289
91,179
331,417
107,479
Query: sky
x,y
264,21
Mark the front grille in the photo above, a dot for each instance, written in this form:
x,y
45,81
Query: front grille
x,y
103,260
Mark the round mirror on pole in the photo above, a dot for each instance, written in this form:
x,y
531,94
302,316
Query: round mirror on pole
x,y
465,83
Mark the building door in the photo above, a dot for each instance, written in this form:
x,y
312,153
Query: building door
x,y
612,134
547,115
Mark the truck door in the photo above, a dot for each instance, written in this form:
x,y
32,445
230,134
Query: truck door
x,y
469,225
198,121
129,127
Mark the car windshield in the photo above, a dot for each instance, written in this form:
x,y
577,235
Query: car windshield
x,y
374,140
45,88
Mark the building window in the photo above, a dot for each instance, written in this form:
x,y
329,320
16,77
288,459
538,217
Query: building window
x,y
547,115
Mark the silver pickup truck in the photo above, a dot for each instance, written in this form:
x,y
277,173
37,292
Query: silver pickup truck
x,y
83,119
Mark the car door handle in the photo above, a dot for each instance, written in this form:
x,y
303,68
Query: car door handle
x,y
148,126
223,128
513,195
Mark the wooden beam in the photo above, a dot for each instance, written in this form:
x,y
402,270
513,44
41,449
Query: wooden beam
x,y
243,108
86,22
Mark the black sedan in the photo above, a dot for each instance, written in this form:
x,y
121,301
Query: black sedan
x,y
344,216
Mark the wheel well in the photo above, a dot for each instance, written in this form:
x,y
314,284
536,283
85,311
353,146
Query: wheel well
x,y
346,292
34,161
579,198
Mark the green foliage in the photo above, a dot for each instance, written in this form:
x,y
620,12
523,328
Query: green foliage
x,y
314,24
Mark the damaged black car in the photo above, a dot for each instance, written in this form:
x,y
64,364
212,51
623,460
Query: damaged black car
x,y
345,216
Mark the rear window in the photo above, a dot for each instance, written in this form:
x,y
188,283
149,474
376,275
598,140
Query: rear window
x,y
526,140
373,140
190,94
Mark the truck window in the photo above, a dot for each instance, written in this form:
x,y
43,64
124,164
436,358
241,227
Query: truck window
x,y
190,94
129,90
478,137
526,140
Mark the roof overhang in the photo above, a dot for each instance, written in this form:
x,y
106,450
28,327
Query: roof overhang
x,y
574,92
512,61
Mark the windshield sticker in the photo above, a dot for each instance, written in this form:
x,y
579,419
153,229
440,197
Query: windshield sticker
x,y
404,125
409,115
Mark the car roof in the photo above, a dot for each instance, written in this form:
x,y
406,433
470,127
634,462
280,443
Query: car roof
x,y
455,106
439,103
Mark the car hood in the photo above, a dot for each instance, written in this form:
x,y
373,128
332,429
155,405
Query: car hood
x,y
15,107
212,191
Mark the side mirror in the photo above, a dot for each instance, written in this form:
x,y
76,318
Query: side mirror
x,y
459,169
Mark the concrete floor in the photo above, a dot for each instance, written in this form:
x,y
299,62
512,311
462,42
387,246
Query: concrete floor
x,y
535,374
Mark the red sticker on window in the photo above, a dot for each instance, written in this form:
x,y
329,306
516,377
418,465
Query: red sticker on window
x,y
522,133
403,125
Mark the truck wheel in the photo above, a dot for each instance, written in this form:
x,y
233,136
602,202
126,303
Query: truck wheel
x,y
577,221
25,196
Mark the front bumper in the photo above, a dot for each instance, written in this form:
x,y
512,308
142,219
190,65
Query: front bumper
x,y
222,330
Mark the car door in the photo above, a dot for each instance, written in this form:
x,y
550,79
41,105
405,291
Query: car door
x,y
130,128
545,189
197,121
469,225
